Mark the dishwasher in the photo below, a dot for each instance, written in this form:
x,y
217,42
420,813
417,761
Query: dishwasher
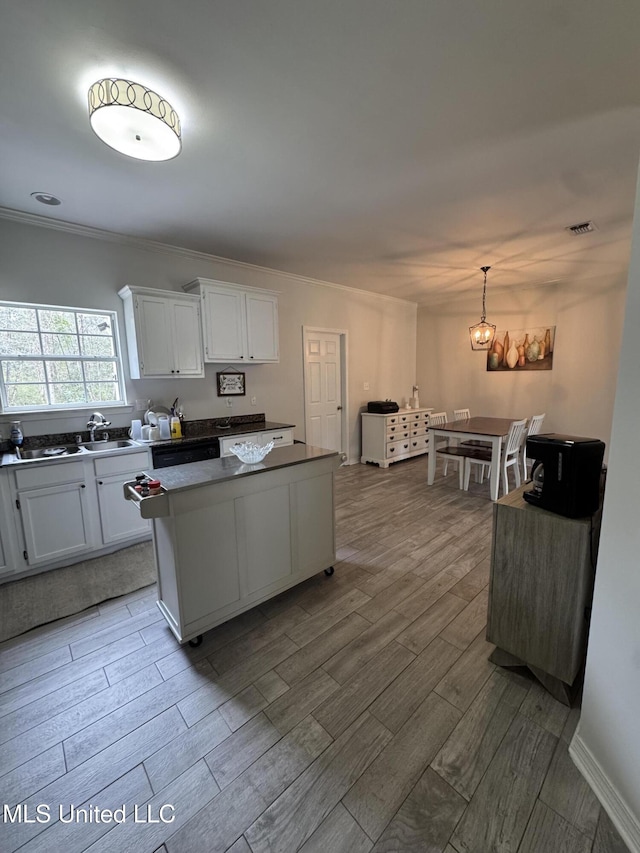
x,y
197,450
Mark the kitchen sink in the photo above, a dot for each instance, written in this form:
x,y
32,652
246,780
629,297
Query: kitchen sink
x,y
50,452
108,445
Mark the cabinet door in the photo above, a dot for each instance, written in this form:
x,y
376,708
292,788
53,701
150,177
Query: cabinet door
x,y
262,327
266,540
119,519
224,325
187,339
154,332
56,522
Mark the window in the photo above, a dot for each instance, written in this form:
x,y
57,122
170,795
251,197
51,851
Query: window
x,y
55,357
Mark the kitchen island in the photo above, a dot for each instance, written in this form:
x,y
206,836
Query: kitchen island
x,y
228,536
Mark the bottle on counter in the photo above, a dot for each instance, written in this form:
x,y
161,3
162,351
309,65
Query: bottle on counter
x,y
176,427
15,435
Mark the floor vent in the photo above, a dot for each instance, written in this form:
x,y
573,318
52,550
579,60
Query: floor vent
x,y
581,228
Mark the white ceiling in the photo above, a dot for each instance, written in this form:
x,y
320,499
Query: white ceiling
x,y
389,145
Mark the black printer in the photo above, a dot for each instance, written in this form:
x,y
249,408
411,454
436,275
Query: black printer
x,y
382,407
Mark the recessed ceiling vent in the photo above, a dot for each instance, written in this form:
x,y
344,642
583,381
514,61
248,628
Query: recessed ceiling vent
x,y
581,228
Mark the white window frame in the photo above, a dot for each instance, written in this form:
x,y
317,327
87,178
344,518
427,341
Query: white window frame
x,y
68,407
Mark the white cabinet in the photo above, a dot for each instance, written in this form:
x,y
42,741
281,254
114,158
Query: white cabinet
x,y
61,512
388,438
55,511
239,323
118,519
164,333
280,438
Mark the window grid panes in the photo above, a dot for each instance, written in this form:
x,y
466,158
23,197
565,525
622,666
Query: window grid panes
x,y
55,357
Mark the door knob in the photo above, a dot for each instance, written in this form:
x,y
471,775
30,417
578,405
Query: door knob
x,y
339,408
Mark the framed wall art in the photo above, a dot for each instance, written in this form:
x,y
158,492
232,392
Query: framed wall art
x,y
522,349
230,383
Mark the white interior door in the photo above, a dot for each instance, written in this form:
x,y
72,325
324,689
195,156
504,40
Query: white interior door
x,y
323,365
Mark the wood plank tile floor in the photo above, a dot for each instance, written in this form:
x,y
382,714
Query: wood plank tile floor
x,y
352,713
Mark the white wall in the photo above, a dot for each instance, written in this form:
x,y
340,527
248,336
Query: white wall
x,y
577,394
607,743
43,265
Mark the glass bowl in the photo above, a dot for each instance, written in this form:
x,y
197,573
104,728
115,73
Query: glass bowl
x,y
251,453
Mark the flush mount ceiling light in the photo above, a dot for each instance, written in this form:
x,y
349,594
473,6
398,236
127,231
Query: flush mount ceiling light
x,y
46,198
134,120
482,333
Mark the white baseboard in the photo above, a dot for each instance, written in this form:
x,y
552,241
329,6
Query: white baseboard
x,y
627,824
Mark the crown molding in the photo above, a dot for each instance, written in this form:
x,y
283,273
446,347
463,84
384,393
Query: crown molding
x,y
168,249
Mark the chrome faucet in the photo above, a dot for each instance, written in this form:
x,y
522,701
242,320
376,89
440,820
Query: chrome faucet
x,y
98,421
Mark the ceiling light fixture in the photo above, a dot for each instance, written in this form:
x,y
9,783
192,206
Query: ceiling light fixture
x,y
134,120
46,198
482,333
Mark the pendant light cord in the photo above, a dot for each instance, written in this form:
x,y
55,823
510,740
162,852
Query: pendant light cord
x,y
485,270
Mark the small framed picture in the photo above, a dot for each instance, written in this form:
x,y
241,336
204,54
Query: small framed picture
x,y
231,383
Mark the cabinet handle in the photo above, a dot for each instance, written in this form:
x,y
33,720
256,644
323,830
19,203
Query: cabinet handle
x,y
177,371
173,371
277,438
82,486
99,483
250,356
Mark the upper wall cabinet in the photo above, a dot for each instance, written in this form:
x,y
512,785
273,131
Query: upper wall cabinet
x,y
164,333
239,323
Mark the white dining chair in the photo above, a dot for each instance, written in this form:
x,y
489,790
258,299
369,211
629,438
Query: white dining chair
x,y
510,456
442,448
535,425
461,414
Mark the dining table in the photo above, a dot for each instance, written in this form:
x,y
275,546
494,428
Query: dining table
x,y
491,430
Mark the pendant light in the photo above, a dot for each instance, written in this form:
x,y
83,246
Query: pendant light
x,y
134,120
482,333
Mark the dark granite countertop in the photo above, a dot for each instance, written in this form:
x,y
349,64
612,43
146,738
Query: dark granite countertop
x,y
217,431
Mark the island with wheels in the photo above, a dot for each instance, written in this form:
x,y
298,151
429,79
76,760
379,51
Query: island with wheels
x,y
228,536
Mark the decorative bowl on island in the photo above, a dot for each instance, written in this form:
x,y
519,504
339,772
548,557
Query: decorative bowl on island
x,y
247,451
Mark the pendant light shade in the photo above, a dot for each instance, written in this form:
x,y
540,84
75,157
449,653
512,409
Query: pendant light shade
x,y
134,120
483,333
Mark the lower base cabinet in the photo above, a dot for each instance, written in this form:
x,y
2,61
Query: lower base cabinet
x,y
65,511
56,522
224,548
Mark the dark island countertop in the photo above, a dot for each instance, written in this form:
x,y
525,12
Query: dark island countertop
x,y
178,478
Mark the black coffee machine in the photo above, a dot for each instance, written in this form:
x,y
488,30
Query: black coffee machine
x,y
565,473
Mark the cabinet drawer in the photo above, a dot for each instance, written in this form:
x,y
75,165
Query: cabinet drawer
x,y
397,448
280,437
395,431
418,429
227,443
401,435
392,419
404,419
50,475
122,464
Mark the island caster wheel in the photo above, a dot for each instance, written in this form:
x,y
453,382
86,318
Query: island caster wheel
x,y
196,641
328,572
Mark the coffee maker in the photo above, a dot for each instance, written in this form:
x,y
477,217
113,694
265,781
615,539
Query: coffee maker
x,y
566,473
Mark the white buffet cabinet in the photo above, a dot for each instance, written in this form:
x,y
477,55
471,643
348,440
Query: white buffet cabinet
x,y
389,438
229,536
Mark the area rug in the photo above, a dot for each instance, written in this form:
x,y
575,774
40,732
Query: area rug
x,y
33,601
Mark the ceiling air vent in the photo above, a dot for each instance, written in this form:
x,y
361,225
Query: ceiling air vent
x,y
581,228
